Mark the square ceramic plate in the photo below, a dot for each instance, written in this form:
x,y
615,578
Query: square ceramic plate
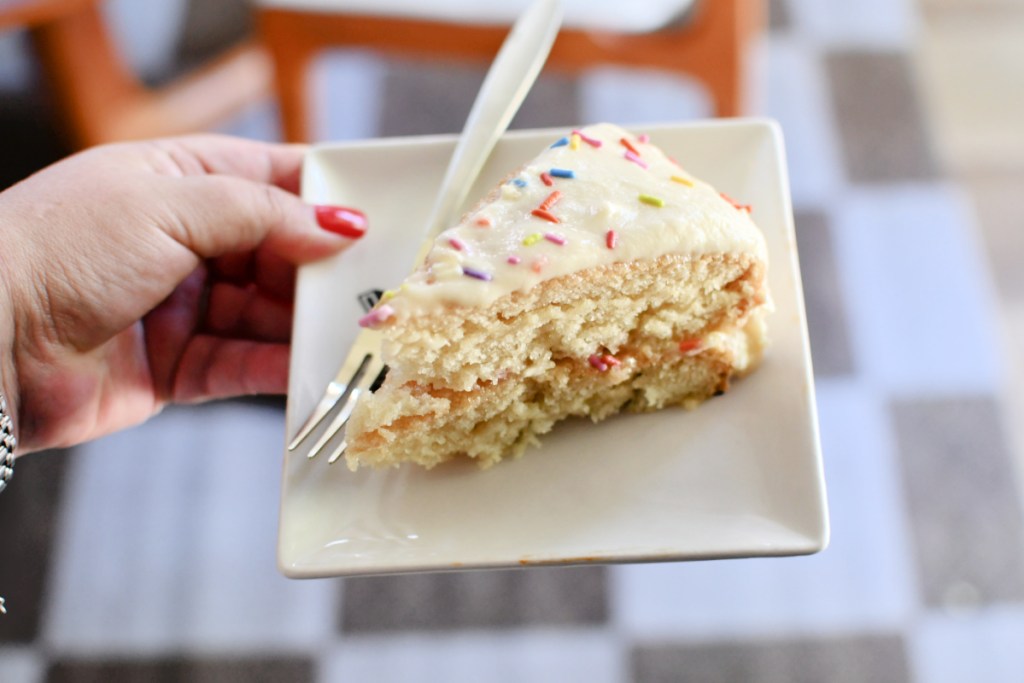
x,y
740,476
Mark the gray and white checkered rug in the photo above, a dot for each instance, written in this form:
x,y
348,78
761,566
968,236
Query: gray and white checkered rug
x,y
149,556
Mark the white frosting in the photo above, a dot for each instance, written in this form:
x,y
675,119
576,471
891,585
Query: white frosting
x,y
604,195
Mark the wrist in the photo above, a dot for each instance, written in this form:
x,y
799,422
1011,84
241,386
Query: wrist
x,y
8,383
8,439
8,368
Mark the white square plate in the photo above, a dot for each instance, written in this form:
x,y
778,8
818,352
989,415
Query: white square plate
x,y
740,476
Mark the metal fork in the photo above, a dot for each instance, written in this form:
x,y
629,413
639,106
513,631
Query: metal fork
x,y
509,79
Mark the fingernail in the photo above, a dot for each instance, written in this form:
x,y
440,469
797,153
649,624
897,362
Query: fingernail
x,y
341,220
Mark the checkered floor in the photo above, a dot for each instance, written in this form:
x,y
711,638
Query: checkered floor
x,y
150,555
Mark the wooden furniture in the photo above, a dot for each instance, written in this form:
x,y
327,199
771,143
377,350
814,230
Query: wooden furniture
x,y
709,43
99,99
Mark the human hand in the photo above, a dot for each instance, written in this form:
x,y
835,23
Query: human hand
x,y
139,274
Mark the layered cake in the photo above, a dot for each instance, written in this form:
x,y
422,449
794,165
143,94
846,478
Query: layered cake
x,y
600,277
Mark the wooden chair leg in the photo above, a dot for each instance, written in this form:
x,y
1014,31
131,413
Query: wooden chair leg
x,y
719,66
200,100
102,101
730,85
711,47
722,68
292,54
86,77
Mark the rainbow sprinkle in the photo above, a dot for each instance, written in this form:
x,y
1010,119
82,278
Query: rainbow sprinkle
x,y
562,173
478,274
560,142
513,260
643,139
519,182
457,244
652,200
574,141
611,239
635,159
546,215
539,263
737,205
628,145
690,346
531,240
377,317
555,238
593,142
682,181
602,362
551,200
483,222
543,211
546,179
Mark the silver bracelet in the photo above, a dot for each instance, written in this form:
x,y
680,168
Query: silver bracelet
x,y
7,444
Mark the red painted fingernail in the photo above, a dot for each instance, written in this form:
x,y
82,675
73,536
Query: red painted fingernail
x,y
341,220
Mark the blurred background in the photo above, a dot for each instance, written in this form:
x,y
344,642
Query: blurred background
x,y
149,555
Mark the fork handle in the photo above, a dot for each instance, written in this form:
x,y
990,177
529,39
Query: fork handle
x,y
509,79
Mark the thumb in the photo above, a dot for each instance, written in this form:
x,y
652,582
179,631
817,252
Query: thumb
x,y
225,214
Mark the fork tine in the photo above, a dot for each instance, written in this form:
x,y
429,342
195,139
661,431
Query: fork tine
x,y
336,424
337,452
345,414
379,379
336,391
347,403
341,419
331,396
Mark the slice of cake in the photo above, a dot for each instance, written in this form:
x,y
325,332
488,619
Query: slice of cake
x,y
599,278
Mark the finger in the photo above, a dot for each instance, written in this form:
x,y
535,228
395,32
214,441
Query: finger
x,y
274,276
262,162
169,326
238,267
220,214
213,368
245,312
